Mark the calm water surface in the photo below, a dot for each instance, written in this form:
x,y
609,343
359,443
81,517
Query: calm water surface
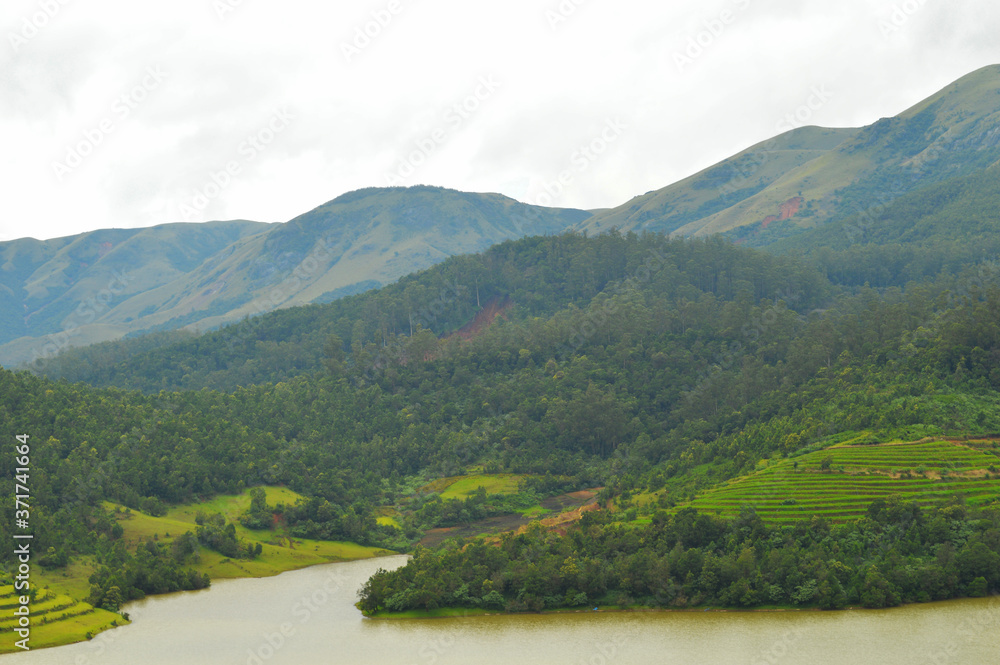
x,y
308,617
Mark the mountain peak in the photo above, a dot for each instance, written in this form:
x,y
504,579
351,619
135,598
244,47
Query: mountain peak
x,y
811,175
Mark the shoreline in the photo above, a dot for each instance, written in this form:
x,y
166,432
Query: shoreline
x,y
460,613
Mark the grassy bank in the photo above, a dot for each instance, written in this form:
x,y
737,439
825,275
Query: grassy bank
x,y
60,616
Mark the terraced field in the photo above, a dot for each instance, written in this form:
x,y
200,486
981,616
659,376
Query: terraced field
x,y
55,619
840,483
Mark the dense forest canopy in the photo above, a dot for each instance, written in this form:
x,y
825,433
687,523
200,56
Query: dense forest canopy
x,y
617,361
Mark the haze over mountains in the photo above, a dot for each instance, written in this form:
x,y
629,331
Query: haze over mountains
x,y
106,284
788,192
810,175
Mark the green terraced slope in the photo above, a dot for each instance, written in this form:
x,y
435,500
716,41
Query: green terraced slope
x,y
56,619
840,483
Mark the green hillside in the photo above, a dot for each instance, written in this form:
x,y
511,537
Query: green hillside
x,y
66,287
539,277
560,420
941,228
722,185
643,365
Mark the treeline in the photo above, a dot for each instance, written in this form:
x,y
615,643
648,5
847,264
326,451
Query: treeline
x,y
899,553
152,568
216,533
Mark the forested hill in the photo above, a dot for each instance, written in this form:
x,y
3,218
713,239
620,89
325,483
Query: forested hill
x,y
655,374
633,363
541,277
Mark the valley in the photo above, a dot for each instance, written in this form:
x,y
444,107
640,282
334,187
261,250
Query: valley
x,y
772,385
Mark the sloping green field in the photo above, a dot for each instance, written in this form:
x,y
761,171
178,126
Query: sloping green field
x,y
280,552
841,482
58,618
465,486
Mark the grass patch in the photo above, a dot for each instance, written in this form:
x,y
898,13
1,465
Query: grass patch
x,y
441,613
461,487
534,512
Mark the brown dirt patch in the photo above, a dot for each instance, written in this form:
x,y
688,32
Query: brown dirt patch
x,y
484,318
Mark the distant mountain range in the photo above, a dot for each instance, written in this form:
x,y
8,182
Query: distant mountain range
x,y
107,284
804,190
810,175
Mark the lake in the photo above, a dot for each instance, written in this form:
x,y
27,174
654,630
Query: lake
x,y
307,617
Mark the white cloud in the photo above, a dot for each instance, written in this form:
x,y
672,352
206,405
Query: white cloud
x,y
357,117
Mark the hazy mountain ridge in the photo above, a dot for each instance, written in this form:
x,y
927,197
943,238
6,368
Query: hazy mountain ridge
x,y
836,172
109,284
106,284
72,286
722,185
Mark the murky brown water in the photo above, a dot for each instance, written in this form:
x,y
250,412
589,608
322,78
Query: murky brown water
x,y
308,617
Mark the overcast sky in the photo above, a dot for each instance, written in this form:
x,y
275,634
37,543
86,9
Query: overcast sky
x,y
128,113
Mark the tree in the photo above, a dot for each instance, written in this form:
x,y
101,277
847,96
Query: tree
x,y
333,352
